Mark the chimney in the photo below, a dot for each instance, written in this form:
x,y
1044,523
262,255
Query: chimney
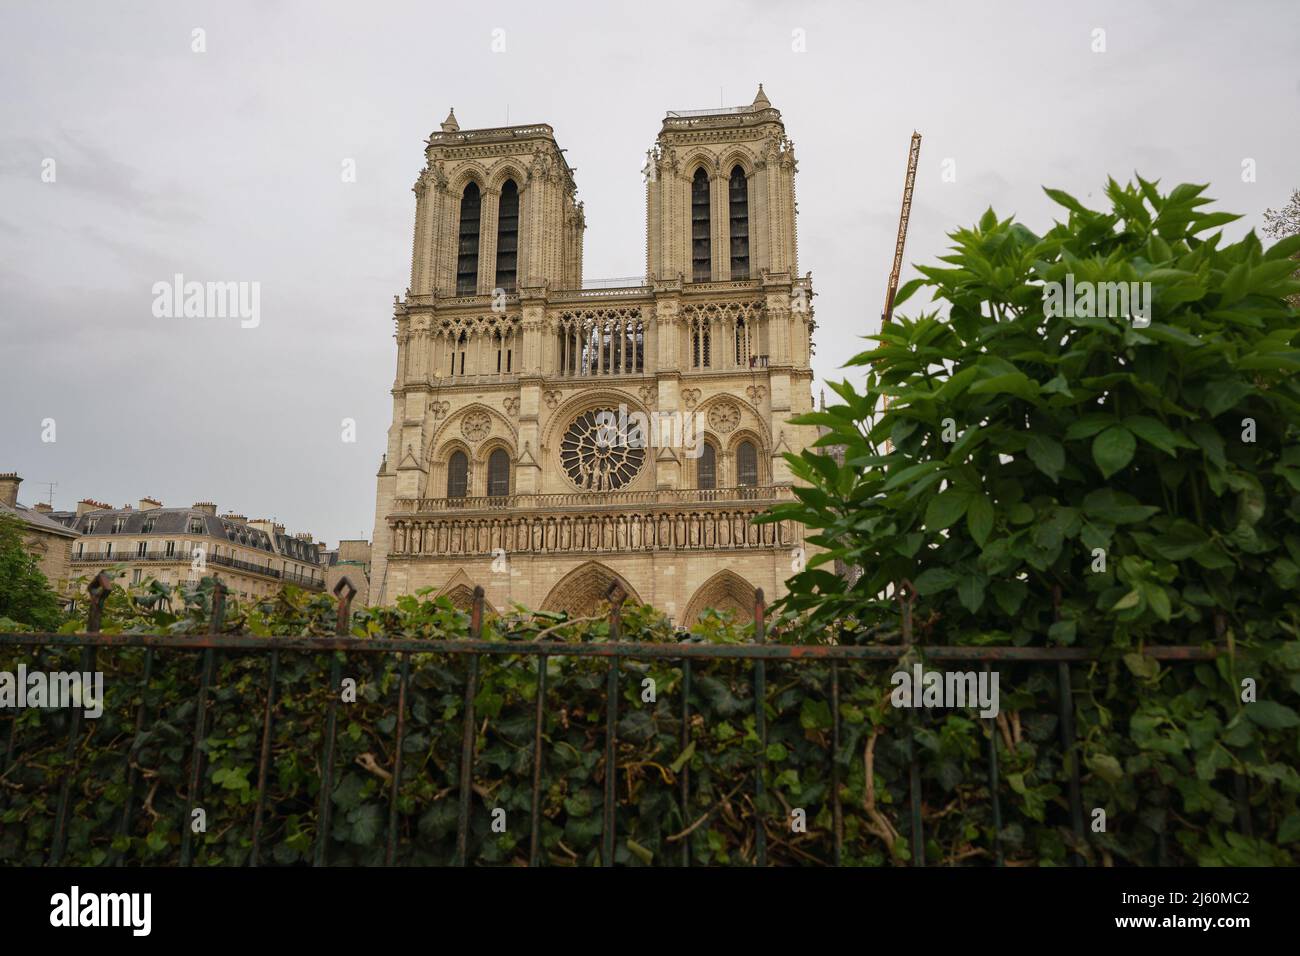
x,y
304,536
148,504
207,507
9,483
237,519
42,507
90,504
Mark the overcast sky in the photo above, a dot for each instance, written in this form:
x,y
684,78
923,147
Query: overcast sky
x,y
226,165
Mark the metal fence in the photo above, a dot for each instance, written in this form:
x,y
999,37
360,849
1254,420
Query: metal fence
x,y
759,652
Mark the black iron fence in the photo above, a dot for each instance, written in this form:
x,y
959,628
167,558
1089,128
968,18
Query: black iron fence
x,y
758,652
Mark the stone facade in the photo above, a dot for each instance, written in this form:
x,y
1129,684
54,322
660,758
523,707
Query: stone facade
x,y
351,559
46,538
505,357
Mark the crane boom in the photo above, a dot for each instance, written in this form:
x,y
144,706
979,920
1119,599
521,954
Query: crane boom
x,y
913,155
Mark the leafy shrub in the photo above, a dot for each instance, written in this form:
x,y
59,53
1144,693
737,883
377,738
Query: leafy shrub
x,y
1046,478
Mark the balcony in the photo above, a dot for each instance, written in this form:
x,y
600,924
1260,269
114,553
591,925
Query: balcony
x,y
589,500
591,523
221,560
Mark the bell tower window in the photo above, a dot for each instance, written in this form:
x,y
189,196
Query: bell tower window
x,y
508,236
467,261
701,261
738,196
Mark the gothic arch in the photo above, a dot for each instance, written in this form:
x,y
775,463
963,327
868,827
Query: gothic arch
x,y
725,591
582,591
737,156
584,400
508,169
701,159
459,589
762,454
450,429
490,444
750,420
470,172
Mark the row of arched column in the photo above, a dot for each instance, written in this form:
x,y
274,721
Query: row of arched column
x,y
669,531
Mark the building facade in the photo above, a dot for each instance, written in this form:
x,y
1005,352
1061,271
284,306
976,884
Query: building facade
x,y
49,540
351,560
506,359
183,545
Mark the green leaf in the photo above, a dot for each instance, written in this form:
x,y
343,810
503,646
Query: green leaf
x,y
683,758
979,518
1272,715
1046,454
1013,383
1115,507
934,580
1154,433
946,508
970,591
1113,449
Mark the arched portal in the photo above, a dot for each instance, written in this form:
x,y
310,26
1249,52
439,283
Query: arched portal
x,y
725,591
582,592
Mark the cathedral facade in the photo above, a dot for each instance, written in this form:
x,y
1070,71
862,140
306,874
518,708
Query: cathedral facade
x,y
508,362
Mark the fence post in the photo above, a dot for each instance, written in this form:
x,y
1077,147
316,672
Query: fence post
x,y
1240,789
468,732
539,728
1069,747
404,678
201,722
760,729
99,589
837,809
906,595
345,592
994,783
609,823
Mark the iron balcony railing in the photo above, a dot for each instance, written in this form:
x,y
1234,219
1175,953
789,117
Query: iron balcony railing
x,y
759,652
179,557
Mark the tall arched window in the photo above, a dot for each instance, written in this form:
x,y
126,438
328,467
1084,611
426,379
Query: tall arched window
x,y
508,236
458,475
467,261
701,262
738,195
707,468
498,474
746,465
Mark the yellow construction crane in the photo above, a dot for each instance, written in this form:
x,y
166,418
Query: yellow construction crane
x,y
913,155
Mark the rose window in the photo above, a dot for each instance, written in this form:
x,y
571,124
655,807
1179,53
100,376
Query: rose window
x,y
596,457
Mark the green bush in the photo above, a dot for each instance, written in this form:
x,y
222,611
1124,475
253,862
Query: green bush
x,y
1045,478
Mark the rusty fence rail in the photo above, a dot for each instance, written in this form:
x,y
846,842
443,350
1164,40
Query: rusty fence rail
x,y
759,652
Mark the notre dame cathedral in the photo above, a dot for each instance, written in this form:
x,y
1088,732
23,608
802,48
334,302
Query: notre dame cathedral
x,y
506,358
